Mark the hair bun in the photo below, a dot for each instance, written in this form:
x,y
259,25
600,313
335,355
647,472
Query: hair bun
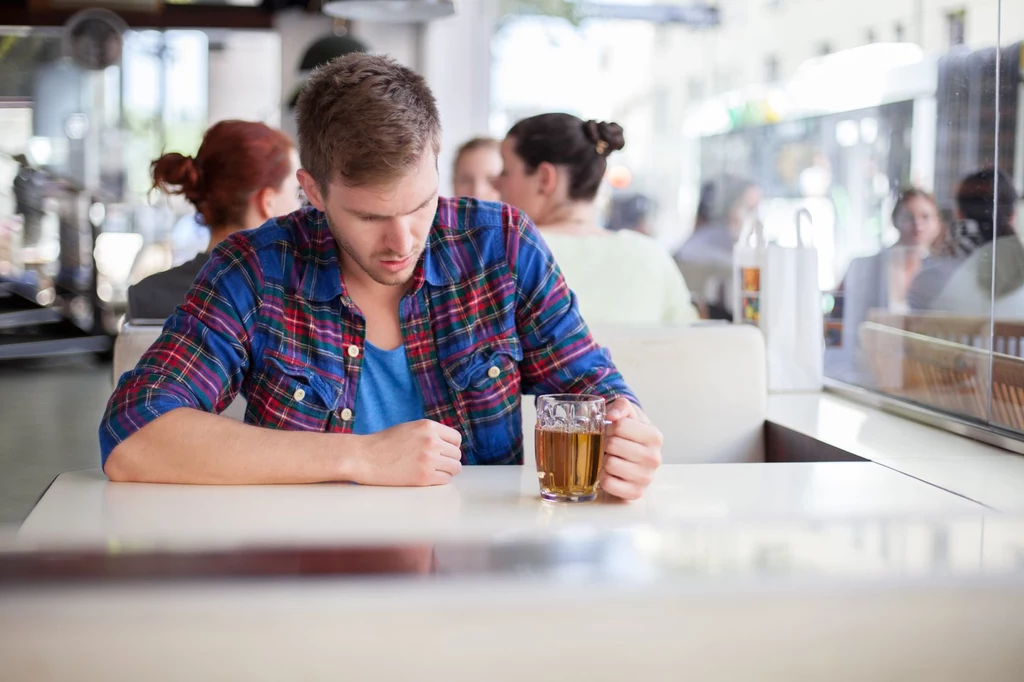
x,y
607,137
178,174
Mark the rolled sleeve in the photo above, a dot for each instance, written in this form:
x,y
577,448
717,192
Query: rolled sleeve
x,y
200,357
559,353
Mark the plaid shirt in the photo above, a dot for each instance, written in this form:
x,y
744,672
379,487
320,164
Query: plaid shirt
x,y
488,317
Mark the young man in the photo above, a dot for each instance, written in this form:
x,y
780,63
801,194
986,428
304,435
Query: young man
x,y
383,338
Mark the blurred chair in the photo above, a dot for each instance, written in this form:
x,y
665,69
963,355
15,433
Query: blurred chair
x,y
945,374
709,283
973,331
703,385
135,339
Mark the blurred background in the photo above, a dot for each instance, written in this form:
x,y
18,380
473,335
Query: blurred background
x,y
765,105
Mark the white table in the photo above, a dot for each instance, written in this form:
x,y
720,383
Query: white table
x,y
82,507
980,472
868,555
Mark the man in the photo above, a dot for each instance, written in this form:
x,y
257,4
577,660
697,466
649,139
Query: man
x,y
383,336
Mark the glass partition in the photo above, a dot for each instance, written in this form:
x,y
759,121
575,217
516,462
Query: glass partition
x,y
898,126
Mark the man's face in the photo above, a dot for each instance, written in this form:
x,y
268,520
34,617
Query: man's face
x,y
381,230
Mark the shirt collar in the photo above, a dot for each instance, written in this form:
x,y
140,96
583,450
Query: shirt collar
x,y
439,267
318,253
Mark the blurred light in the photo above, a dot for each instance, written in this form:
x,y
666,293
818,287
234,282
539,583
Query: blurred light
x,y
48,250
857,78
97,213
79,308
847,133
105,291
869,130
776,106
711,118
46,296
40,151
390,10
620,177
115,253
76,127
814,181
881,184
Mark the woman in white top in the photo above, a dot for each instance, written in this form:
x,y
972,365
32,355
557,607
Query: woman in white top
x,y
553,168
961,282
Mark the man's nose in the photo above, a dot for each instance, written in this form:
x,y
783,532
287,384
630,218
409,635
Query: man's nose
x,y
399,238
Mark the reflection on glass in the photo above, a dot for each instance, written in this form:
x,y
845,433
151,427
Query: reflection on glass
x,y
874,137
915,320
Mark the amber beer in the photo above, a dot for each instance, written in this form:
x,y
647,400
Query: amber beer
x,y
568,463
569,440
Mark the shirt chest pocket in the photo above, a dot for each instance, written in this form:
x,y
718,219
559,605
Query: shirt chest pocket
x,y
292,396
484,384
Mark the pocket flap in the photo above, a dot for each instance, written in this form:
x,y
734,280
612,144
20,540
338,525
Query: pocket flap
x,y
473,367
327,391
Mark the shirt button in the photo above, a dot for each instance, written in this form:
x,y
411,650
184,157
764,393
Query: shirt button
x,y
353,351
494,372
299,395
346,415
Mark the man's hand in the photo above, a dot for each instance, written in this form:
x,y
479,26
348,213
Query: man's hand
x,y
632,451
423,452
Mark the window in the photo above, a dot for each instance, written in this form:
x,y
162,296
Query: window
x,y
955,26
723,122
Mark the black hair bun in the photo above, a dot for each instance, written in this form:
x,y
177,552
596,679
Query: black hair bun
x,y
607,137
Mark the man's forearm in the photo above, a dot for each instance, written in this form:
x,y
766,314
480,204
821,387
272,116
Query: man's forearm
x,y
190,446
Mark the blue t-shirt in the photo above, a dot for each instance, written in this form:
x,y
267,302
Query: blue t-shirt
x,y
386,395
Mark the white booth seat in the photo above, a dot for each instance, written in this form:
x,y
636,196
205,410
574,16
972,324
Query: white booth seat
x,y
702,385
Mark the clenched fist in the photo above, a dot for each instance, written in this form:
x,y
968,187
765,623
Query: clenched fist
x,y
416,453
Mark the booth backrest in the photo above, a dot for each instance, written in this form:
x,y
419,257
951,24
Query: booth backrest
x,y
703,385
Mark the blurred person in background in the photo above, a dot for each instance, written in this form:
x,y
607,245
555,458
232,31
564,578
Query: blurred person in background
x,y
631,212
882,281
705,205
705,259
477,168
243,174
961,281
553,168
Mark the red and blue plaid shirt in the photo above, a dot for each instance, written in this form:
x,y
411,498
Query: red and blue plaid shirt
x,y
269,317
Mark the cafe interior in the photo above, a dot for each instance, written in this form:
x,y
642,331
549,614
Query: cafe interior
x,y
794,273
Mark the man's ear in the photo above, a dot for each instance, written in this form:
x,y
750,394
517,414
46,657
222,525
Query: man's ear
x,y
312,190
547,178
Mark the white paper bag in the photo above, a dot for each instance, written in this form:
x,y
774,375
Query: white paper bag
x,y
791,318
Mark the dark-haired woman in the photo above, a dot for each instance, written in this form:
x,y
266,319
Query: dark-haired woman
x,y
242,175
984,231
553,168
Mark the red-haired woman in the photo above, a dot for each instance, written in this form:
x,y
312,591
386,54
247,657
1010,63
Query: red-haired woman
x,y
242,175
